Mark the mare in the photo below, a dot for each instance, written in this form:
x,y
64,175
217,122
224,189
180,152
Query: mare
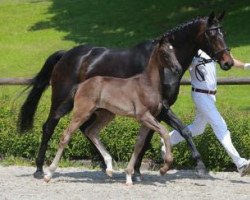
x,y
66,69
139,96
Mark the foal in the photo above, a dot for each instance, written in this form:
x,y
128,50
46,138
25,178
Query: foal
x,y
139,96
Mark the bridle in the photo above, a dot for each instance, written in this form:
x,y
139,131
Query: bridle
x,y
214,54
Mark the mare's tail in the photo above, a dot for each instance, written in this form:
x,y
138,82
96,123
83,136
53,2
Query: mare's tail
x,y
39,84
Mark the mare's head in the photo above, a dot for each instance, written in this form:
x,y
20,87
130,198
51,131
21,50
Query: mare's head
x,y
165,54
213,43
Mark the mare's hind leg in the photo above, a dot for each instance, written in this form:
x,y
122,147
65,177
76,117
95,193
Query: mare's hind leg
x,y
48,130
58,96
103,117
81,113
149,121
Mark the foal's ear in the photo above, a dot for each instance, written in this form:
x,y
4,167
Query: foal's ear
x,y
162,40
211,18
221,16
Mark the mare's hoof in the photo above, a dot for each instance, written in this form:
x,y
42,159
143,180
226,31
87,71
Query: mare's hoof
x,y
38,174
109,173
201,172
137,177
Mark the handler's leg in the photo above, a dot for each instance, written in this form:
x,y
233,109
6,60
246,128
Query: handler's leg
x,y
196,128
219,127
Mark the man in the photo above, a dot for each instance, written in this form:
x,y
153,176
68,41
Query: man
x,y
204,83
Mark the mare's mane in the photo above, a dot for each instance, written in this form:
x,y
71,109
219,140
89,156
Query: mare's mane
x,y
185,25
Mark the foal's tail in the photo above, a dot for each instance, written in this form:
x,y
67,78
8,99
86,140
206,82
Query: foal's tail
x,y
39,84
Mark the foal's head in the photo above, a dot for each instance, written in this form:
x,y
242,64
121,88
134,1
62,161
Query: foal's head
x,y
215,44
165,54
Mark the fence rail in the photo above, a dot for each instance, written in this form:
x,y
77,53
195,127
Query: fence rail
x,y
220,81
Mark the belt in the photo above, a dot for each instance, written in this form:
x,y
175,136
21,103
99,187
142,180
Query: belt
x,y
204,91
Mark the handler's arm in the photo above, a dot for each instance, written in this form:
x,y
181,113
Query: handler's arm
x,y
240,64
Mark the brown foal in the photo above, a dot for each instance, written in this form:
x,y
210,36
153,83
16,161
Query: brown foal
x,y
139,97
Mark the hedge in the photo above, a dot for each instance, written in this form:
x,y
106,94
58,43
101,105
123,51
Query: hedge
x,y
119,138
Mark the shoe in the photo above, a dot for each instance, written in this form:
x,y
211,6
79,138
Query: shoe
x,y
245,169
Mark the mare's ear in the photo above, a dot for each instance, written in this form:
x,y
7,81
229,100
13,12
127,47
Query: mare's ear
x,y
171,38
221,16
211,18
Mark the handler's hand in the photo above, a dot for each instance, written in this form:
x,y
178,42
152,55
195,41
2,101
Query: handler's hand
x,y
247,66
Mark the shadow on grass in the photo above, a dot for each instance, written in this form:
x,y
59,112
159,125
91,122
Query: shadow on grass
x,y
123,23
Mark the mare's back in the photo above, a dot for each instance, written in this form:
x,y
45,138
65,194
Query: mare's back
x,y
122,63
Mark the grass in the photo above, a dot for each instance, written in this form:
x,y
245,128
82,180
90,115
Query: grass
x,y
30,30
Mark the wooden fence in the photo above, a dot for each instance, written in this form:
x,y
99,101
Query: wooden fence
x,y
220,81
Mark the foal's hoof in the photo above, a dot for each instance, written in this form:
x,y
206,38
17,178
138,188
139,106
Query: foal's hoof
x,y
128,183
38,174
46,178
109,173
163,171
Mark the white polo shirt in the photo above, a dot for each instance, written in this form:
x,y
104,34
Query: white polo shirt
x,y
208,70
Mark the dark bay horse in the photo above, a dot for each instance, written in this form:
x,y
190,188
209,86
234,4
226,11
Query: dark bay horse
x,y
66,69
139,96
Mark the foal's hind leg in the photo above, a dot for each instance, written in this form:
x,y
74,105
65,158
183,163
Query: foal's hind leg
x,y
103,117
81,113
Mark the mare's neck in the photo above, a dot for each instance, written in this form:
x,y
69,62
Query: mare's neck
x,y
187,43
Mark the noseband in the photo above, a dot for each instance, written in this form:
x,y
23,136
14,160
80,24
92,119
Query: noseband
x,y
214,54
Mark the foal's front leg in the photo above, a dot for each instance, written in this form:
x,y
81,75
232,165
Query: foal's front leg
x,y
137,149
149,121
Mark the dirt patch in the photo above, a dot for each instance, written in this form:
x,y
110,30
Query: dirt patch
x,y
79,183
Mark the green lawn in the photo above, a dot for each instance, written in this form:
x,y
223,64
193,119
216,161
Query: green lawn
x,y
31,30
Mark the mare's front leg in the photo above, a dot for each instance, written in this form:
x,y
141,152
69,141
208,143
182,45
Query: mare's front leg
x,y
170,118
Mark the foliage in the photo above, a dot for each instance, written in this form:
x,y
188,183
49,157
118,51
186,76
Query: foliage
x,y
119,138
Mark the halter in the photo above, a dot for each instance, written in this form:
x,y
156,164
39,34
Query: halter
x,y
214,54
198,73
